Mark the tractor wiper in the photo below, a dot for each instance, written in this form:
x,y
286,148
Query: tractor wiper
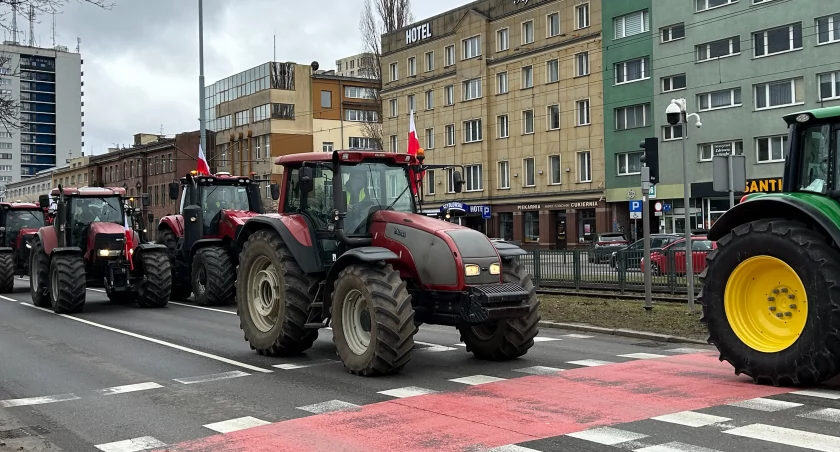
x,y
398,197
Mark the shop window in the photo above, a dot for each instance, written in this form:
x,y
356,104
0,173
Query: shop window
x,y
586,224
532,227
506,225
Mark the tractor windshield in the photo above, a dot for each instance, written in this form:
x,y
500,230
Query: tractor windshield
x,y
813,169
89,209
22,219
372,186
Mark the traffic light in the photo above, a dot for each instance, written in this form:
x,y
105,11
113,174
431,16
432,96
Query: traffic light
x,y
651,157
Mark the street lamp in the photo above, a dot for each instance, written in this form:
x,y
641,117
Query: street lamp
x,y
676,114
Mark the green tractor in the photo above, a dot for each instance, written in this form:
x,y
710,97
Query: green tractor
x,y
771,289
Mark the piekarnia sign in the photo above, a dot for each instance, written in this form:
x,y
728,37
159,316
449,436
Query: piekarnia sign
x,y
418,33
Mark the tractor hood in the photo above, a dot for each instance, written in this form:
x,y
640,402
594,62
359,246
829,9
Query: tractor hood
x,y
238,217
106,235
25,236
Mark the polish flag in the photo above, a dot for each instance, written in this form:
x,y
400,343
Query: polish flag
x,y
413,146
129,243
203,168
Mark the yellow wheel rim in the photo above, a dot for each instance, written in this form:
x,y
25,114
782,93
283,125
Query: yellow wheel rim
x,y
766,304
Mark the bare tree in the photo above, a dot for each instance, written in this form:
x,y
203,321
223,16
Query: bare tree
x,y
380,17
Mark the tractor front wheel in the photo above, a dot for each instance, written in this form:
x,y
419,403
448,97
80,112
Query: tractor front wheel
x,y
67,283
771,302
180,291
39,263
155,289
213,277
372,320
7,272
507,338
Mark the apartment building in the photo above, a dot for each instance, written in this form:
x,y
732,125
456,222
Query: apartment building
x,y
342,108
73,174
742,65
361,65
511,90
30,188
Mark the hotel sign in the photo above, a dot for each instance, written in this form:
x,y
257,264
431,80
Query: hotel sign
x,y
418,33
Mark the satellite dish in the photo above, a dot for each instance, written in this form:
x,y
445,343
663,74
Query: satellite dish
x,y
314,66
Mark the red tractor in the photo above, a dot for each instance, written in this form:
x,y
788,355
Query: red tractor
x,y
203,253
85,246
349,247
19,222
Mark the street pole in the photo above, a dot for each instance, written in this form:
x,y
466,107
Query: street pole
x,y
202,118
689,268
729,159
646,236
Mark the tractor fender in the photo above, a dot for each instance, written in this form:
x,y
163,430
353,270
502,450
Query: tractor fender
x,y
48,238
295,230
366,254
175,223
6,249
146,247
816,211
66,250
508,251
204,243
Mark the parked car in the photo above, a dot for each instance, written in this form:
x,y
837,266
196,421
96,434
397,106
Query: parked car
x,y
604,244
660,260
630,255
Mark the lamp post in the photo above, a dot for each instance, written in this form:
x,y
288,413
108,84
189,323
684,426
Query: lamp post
x,y
676,114
201,118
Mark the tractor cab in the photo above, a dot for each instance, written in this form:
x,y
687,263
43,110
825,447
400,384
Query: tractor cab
x,y
95,219
19,222
215,194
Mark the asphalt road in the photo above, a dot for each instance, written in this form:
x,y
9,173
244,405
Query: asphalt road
x,y
119,378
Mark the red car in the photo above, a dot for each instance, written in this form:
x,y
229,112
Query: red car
x,y
700,247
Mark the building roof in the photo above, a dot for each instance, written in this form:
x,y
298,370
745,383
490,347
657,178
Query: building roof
x,y
19,205
90,191
348,156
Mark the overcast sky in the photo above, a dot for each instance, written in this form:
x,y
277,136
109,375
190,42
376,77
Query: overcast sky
x,y
141,57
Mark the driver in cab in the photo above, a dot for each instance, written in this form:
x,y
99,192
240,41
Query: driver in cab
x,y
356,191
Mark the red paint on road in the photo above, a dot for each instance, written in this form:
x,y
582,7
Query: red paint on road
x,y
506,412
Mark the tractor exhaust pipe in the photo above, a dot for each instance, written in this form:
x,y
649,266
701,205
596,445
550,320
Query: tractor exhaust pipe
x,y
61,219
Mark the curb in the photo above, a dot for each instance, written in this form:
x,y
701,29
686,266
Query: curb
x,y
621,332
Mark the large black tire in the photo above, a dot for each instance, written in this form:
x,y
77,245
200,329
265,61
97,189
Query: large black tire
x,y
67,283
39,262
293,291
508,338
390,321
813,357
7,272
156,287
213,277
179,290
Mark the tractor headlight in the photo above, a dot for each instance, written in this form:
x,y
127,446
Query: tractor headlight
x,y
104,253
495,269
472,270
28,245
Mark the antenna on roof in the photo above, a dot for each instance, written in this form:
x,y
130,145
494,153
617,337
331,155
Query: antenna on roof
x,y
14,23
78,44
31,25
53,28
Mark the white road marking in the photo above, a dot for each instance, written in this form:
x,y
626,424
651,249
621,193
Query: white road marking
x,y
539,370
578,336
202,307
788,437
233,425
37,400
607,435
97,290
213,377
408,391
546,339
7,298
691,419
476,380
460,344
821,393
512,448
431,348
132,445
675,447
688,350
642,356
590,362
129,388
303,364
827,414
329,407
157,341
762,404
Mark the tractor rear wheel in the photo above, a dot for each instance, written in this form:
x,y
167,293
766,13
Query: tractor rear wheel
x,y
213,277
155,289
273,296
507,338
39,263
7,272
372,320
180,291
771,301
67,283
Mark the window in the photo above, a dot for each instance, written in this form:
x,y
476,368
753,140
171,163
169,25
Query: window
x,y
553,117
672,32
670,133
502,40
326,100
450,180
360,116
829,85
395,73
430,61
777,40
528,32
504,175
501,83
365,143
552,71
5,134
770,149
552,25
828,29
527,122
632,70
582,64
430,182
412,66
582,16
449,130
472,89
530,172
719,49
673,83
719,99
779,94
527,77
394,110
430,100
629,163
5,145
555,175
410,102
502,122
631,24
327,147
357,92
473,173
632,117
707,150
430,138
449,56
703,5
582,109
471,47
392,141
584,166
449,95
241,117
472,130
6,168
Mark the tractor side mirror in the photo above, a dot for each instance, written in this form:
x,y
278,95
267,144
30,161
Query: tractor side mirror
x,y
146,199
458,180
174,188
305,182
275,191
44,201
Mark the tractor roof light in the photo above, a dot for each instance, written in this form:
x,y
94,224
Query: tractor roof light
x,y
193,172
804,117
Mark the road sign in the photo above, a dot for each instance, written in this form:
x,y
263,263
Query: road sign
x,y
658,206
666,207
635,210
652,192
720,173
485,212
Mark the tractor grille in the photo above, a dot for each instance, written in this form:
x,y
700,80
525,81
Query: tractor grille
x,y
109,241
496,293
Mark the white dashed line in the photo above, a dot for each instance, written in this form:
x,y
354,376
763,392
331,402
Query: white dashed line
x,y
37,400
223,311
788,437
691,419
590,362
476,380
213,377
234,425
578,336
304,364
821,393
688,350
607,436
431,348
460,344
129,388
512,448
827,414
642,356
762,404
675,447
7,298
132,445
539,370
329,407
546,339
408,391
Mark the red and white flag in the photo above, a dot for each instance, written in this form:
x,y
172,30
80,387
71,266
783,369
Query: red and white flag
x,y
129,243
202,168
413,146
